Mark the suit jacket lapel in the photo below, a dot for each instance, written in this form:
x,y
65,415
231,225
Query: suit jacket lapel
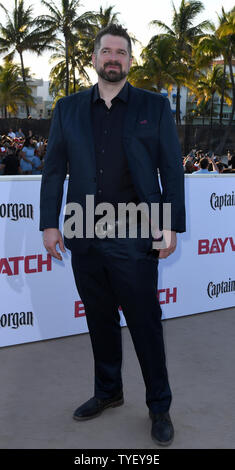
x,y
133,106
85,124
84,110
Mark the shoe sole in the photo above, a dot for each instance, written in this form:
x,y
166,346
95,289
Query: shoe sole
x,y
163,444
110,405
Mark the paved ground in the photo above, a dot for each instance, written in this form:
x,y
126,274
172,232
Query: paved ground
x,y
42,383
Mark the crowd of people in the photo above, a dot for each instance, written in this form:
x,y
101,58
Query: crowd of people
x,y
22,154
197,162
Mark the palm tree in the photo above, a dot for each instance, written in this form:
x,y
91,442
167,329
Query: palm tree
x,y
222,43
106,16
160,68
202,111
65,20
78,61
228,26
184,33
209,84
58,80
212,46
12,89
21,33
226,32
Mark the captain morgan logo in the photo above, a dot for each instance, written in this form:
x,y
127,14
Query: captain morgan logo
x,y
223,287
16,211
222,200
16,319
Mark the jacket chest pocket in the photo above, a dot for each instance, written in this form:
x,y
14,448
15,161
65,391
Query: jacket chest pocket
x,y
145,131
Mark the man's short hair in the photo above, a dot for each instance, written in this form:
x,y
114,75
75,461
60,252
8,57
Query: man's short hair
x,y
204,163
114,30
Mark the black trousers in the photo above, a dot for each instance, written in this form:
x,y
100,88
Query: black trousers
x,y
123,272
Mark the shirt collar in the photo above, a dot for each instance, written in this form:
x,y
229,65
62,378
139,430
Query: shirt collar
x,y
122,95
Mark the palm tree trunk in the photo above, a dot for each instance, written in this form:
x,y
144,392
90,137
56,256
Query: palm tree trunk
x,y
211,111
222,143
67,65
24,78
222,96
233,90
178,118
74,80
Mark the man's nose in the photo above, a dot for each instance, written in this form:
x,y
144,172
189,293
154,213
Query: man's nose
x,y
113,56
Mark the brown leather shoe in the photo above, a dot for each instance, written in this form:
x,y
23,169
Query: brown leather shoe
x,y
94,407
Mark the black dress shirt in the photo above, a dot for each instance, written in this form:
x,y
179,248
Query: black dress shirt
x,y
114,183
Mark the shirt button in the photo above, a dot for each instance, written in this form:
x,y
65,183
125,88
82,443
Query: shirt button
x,y
101,171
102,151
106,132
99,191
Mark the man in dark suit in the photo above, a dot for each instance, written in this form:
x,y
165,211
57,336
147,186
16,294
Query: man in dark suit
x,y
115,138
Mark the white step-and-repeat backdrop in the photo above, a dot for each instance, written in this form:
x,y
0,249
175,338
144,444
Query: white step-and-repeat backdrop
x,y
38,296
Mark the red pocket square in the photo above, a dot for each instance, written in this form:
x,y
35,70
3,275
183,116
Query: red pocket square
x,y
144,121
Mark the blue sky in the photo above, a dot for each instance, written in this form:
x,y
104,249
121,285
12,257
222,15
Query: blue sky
x,y
135,16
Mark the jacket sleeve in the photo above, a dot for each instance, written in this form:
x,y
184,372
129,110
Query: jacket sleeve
x,y
54,173
171,169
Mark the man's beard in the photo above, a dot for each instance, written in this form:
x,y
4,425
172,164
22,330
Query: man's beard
x,y
111,75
